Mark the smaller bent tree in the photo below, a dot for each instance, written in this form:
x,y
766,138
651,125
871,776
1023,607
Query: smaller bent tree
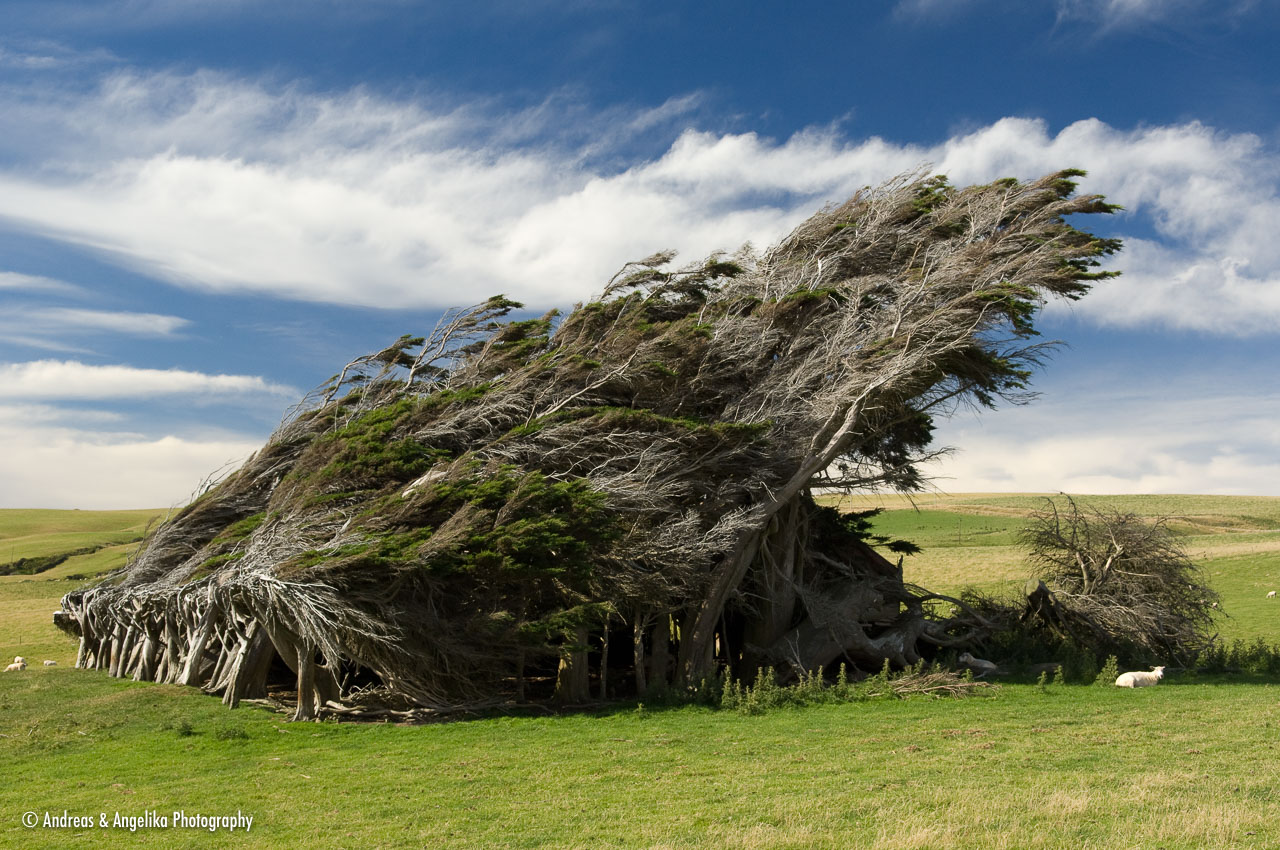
x,y
1117,583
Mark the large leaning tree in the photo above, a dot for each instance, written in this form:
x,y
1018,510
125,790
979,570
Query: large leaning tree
x,y
618,499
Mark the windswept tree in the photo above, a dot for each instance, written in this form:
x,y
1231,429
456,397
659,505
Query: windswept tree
x,y
622,497
1117,583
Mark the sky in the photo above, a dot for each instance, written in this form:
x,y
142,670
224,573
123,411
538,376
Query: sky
x,y
207,207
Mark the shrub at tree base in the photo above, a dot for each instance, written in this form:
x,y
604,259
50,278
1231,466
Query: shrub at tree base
x,y
618,500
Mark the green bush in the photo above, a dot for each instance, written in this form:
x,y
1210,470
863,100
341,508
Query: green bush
x,y
1258,657
1109,673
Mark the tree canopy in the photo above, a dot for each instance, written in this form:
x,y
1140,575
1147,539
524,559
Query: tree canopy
x,y
486,513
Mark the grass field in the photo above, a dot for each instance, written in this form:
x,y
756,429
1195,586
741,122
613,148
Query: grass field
x,y
33,533
1190,764
28,601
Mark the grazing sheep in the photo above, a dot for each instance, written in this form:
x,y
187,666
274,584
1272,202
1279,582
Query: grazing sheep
x,y
1138,679
16,666
1271,595
979,666
48,663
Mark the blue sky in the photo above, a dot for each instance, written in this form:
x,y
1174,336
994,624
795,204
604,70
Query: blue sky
x,y
208,206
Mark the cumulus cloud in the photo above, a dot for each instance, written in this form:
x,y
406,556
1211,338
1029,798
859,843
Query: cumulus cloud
x,y
1120,443
227,185
65,380
63,467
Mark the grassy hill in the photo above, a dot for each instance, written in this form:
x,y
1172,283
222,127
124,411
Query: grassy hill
x,y
27,601
1188,764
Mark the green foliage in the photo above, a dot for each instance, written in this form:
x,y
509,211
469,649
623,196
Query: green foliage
x,y
1109,673
367,452
243,528
562,623
548,527
1257,656
765,693
231,733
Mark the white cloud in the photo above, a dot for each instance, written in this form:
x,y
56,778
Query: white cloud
x,y
226,186
16,281
60,467
66,380
64,319
930,9
151,14
43,55
45,414
1118,442
1128,13
1106,15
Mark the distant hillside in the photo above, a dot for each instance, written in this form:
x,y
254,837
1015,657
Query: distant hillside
x,y
60,543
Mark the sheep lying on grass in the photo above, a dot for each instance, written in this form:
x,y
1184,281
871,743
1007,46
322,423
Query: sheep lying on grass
x,y
19,663
48,663
979,666
1139,679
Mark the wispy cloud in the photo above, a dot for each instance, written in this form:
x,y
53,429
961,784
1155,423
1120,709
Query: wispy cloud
x,y
1127,13
226,185
156,14
30,282
67,380
1104,15
136,324
45,55
65,328
931,10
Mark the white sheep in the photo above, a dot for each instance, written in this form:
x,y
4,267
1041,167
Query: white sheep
x,y
1271,595
16,666
48,663
18,659
979,666
1139,679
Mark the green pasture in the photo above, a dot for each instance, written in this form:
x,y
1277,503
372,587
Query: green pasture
x,y
1189,764
40,533
1194,763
